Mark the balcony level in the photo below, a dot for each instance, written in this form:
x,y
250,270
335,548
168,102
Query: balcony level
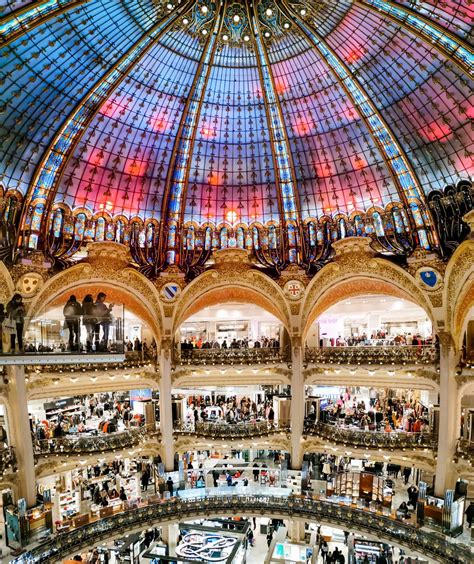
x,y
373,356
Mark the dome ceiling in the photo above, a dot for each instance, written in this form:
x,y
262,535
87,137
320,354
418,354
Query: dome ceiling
x,y
212,112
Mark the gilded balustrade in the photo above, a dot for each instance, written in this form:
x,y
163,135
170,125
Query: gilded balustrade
x,y
231,431
215,502
373,355
244,356
371,439
75,444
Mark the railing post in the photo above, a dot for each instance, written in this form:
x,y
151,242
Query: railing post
x,y
166,412
449,415
297,406
20,433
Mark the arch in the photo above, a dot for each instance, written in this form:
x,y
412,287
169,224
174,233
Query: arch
x,y
458,291
344,289
245,286
122,286
356,272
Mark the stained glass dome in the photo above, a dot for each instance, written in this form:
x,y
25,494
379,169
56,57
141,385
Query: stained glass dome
x,y
208,114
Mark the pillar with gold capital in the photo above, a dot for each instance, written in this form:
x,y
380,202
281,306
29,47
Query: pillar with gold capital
x,y
449,414
166,412
20,433
297,405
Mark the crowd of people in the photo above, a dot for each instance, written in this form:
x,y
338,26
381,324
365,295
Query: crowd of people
x,y
379,338
229,409
381,413
259,343
101,413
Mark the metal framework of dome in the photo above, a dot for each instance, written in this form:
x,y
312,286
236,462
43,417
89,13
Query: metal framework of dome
x,y
279,126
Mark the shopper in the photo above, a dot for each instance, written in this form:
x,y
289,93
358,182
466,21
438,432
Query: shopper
x,y
406,474
470,514
145,479
17,312
72,314
269,536
123,495
255,472
89,320
412,496
215,477
103,315
169,485
324,550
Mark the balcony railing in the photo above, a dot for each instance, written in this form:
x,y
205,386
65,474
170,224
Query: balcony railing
x,y
56,336
392,354
76,444
7,460
465,449
230,431
232,356
261,501
371,439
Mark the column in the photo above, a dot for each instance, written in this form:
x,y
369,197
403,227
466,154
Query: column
x,y
20,433
166,412
449,415
297,407
296,531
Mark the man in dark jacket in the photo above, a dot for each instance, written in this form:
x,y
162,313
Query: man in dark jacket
x,y
72,314
104,318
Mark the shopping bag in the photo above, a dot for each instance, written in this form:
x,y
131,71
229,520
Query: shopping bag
x,y
8,326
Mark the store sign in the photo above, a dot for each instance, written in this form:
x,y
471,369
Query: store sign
x,y
59,404
140,395
238,327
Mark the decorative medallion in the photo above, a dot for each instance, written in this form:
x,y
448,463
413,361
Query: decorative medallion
x,y
429,278
170,291
29,284
293,289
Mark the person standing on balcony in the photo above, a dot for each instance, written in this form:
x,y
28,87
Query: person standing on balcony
x,y
72,314
103,314
16,311
89,320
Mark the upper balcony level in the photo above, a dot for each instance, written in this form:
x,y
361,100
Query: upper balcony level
x,y
372,355
369,331
85,329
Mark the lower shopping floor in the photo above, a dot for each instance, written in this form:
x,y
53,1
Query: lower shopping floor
x,y
98,488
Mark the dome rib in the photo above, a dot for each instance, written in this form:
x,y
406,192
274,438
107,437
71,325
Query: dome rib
x,y
178,173
448,44
49,171
281,153
28,17
394,156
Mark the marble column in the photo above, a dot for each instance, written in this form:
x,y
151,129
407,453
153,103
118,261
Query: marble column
x,y
166,412
20,433
449,415
297,407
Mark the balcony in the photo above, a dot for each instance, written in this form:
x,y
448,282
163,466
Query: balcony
x,y
271,502
228,431
371,439
47,341
244,356
79,444
465,450
7,460
383,355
